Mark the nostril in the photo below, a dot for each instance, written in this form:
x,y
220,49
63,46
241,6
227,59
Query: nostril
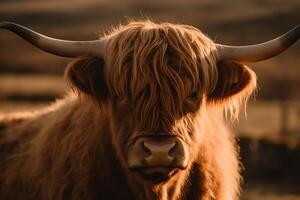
x,y
146,151
172,151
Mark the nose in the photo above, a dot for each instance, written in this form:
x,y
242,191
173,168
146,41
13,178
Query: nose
x,y
158,151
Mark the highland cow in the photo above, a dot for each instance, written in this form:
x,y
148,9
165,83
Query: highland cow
x,y
143,118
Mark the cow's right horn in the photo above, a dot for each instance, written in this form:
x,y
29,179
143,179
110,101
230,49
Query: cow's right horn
x,y
65,48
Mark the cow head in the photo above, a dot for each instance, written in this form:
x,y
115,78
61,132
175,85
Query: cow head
x,y
157,82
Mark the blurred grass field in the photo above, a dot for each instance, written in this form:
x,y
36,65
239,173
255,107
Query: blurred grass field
x,y
31,79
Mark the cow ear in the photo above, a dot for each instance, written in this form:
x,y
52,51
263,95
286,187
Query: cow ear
x,y
86,75
234,79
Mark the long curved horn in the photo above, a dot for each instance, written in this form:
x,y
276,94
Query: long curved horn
x,y
258,52
58,47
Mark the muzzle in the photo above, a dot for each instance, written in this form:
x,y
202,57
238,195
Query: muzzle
x,y
158,157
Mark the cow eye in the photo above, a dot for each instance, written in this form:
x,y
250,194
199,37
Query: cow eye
x,y
193,95
191,103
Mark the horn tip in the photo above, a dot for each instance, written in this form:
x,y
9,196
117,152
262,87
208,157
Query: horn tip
x,y
290,37
6,24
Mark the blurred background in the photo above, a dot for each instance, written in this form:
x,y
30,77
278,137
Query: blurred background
x,y
270,133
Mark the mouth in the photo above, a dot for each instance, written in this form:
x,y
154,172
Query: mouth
x,y
157,175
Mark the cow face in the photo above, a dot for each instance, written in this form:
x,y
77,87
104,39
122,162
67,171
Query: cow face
x,y
157,83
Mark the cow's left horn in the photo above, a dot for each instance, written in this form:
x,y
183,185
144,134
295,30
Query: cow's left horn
x,y
65,48
258,52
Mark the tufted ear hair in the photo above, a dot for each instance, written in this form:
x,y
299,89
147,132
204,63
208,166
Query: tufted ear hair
x,y
86,75
234,80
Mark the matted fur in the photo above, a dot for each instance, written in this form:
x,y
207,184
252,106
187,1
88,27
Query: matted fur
x,y
148,63
157,77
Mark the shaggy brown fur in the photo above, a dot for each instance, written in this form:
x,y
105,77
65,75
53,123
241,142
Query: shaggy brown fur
x,y
157,77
